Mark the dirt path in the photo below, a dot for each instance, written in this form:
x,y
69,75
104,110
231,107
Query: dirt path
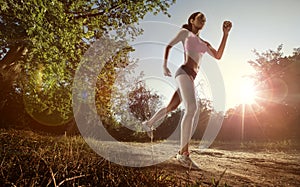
x,y
230,164
241,168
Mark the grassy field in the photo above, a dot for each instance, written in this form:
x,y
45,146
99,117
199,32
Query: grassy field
x,y
34,159
37,159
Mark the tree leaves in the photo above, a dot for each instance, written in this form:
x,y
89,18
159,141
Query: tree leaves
x,y
277,75
56,34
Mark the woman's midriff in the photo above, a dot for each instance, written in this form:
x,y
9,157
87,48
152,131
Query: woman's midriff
x,y
192,64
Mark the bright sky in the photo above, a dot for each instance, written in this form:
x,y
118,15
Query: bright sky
x,y
257,24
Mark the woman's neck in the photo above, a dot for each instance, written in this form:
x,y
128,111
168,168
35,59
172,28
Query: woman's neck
x,y
195,31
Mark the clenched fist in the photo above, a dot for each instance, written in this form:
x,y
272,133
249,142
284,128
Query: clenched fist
x,y
227,26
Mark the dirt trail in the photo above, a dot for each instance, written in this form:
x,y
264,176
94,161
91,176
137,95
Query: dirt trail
x,y
236,165
242,168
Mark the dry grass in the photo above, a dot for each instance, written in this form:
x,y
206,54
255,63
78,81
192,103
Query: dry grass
x,y
32,159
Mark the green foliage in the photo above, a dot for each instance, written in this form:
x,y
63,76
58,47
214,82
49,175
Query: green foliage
x,y
43,41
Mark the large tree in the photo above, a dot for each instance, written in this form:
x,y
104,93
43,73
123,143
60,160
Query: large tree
x,y
42,42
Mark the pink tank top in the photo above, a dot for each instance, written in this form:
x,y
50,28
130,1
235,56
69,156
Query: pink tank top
x,y
194,44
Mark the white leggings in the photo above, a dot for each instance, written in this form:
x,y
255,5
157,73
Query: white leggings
x,y
188,97
187,93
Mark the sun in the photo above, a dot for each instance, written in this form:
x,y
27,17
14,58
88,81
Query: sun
x,y
247,92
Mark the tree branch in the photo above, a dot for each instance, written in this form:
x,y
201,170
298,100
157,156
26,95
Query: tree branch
x,y
95,14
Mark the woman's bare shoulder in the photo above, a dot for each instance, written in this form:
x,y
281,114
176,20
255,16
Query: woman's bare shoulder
x,y
183,33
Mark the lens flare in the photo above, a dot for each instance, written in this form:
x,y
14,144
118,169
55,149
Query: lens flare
x,y
248,92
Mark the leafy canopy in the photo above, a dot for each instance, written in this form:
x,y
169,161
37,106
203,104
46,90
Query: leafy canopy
x,y
43,41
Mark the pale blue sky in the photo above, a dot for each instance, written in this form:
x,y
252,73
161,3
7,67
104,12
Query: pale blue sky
x,y
257,24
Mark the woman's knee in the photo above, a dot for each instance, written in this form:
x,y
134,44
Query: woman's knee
x,y
174,103
171,108
191,108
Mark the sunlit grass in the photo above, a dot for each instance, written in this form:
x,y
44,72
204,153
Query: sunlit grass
x,y
32,159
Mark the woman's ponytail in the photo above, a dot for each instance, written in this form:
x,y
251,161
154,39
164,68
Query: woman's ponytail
x,y
187,26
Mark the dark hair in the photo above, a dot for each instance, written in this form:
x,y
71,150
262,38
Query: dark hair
x,y
188,26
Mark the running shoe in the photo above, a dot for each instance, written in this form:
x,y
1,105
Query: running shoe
x,y
186,161
148,129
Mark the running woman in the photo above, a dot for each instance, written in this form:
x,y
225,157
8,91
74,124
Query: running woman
x,y
194,49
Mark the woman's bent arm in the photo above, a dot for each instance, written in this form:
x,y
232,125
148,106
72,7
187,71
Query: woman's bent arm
x,y
178,38
218,54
